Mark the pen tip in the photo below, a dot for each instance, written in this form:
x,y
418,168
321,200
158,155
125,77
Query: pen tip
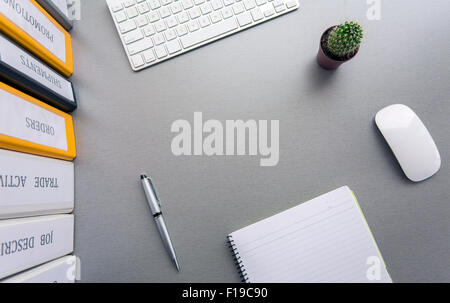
x,y
143,177
177,265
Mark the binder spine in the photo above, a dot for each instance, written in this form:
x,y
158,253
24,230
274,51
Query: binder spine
x,y
23,82
238,260
22,70
56,13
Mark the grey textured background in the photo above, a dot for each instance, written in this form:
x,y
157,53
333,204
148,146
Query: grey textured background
x,y
327,139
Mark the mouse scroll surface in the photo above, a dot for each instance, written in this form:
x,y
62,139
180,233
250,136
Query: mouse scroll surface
x,y
410,141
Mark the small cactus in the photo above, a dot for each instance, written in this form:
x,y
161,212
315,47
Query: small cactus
x,y
345,39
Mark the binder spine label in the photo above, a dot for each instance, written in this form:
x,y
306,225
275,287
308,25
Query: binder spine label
x,y
23,62
30,19
27,121
28,242
31,180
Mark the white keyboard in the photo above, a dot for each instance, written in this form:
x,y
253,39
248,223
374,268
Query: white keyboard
x,y
156,30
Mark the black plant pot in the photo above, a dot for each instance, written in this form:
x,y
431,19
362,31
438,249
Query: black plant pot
x,y
325,58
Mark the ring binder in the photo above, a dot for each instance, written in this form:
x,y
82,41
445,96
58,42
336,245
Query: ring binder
x,y
31,126
238,260
21,245
34,186
22,70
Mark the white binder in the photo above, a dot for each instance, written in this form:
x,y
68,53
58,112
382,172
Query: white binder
x,y
32,185
26,72
63,270
27,242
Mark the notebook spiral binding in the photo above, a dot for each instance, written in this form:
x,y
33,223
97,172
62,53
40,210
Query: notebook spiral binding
x,y
238,260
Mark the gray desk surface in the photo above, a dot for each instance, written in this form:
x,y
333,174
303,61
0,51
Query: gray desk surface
x,y
327,139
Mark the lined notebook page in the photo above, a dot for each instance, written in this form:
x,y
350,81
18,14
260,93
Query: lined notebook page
x,y
323,240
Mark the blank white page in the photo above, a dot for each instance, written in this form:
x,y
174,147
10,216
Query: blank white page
x,y
325,239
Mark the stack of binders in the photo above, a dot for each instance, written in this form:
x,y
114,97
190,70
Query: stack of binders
x,y
37,143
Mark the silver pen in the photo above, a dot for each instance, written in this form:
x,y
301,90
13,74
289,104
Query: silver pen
x,y
155,207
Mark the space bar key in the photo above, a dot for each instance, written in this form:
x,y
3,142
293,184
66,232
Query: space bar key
x,y
209,32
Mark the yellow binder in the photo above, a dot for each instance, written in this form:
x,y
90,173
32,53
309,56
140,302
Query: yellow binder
x,y
30,25
31,126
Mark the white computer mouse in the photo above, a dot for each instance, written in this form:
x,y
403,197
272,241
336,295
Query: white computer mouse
x,y
410,141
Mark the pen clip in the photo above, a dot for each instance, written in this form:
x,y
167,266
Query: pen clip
x,y
154,192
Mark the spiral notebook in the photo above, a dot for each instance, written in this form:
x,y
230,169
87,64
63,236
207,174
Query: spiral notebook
x,y
323,240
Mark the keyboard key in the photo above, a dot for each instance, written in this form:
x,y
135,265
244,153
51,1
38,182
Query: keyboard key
x,y
291,4
143,8
206,8
181,30
208,33
170,34
154,4
281,8
198,2
244,19
216,4
116,6
269,11
238,8
128,3
193,26
153,16
137,61
160,26
215,17
183,17
127,26
176,7
165,2
149,30
171,21
228,2
160,51
158,39
194,13
204,21
120,16
173,46
257,14
277,3
249,4
142,21
227,12
149,56
132,12
187,4
133,36
139,46
164,12
261,2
